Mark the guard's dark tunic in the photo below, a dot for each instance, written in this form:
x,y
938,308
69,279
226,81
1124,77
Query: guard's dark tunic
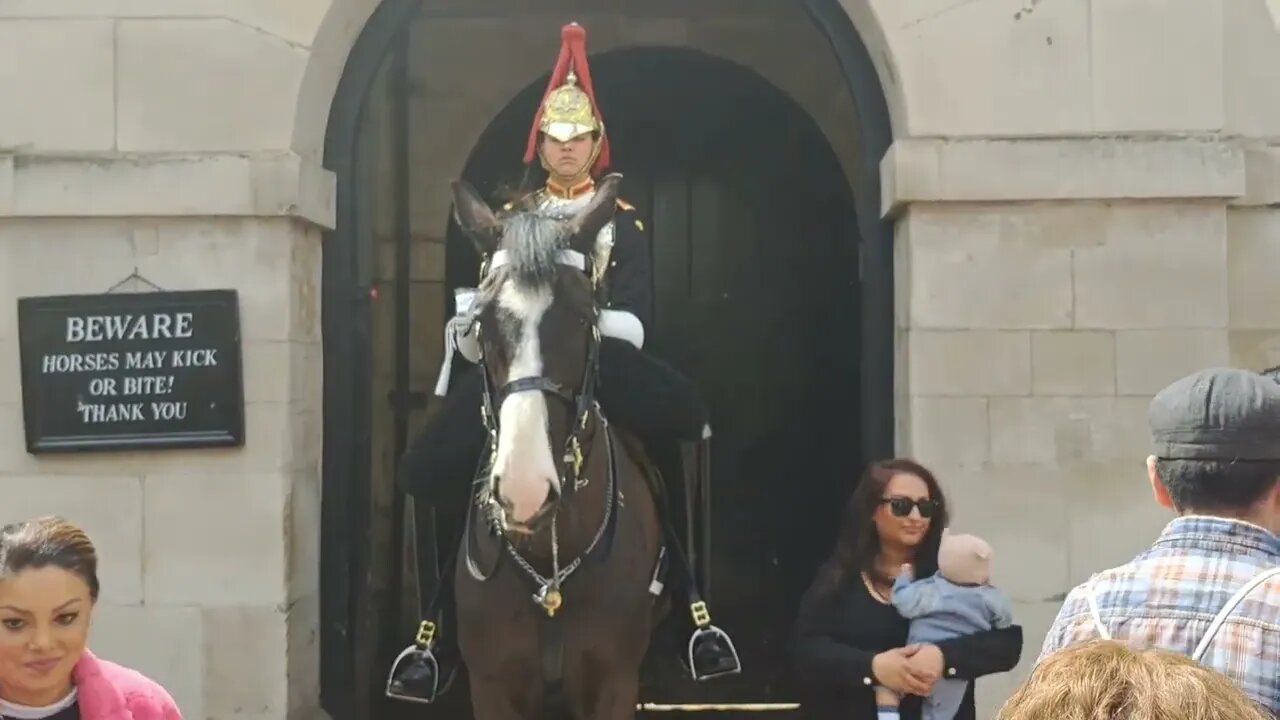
x,y
628,274
629,281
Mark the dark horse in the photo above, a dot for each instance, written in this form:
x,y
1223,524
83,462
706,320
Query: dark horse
x,y
553,580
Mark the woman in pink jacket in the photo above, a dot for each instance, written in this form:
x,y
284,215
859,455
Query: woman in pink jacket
x,y
48,588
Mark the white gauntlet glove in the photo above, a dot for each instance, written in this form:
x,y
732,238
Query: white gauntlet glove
x,y
460,335
622,325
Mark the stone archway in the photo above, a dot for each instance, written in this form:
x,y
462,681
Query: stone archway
x,y
346,23
349,278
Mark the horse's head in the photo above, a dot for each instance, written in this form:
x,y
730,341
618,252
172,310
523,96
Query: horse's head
x,y
537,315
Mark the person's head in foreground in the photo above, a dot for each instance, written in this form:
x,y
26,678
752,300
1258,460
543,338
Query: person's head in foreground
x,y
1106,680
48,587
1217,446
48,590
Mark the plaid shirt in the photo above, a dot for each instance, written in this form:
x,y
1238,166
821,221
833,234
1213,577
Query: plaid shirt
x,y
1169,594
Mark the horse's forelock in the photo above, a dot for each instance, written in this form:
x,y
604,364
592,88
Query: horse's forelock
x,y
533,242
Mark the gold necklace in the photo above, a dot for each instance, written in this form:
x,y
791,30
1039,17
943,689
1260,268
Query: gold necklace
x,y
871,588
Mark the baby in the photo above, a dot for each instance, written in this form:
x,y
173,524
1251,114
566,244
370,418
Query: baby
x,y
957,600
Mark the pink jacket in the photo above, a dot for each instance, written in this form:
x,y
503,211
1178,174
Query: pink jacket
x,y
107,691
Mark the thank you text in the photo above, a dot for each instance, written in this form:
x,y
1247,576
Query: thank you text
x,y
131,371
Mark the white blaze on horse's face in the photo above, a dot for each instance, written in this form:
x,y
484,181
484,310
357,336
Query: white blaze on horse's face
x,y
524,463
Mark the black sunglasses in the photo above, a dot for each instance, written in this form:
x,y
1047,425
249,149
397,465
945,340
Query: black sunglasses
x,y
901,506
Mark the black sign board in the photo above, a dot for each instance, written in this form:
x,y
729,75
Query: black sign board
x,y
129,371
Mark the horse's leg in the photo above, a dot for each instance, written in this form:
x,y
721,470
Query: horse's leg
x,y
497,638
616,698
494,697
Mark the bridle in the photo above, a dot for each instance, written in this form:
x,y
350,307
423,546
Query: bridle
x,y
583,402
584,406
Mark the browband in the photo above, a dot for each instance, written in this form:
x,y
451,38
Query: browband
x,y
572,258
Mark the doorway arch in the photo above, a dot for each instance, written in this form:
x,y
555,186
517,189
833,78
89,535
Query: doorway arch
x,y
348,281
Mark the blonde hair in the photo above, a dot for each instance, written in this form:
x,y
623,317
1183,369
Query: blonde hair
x,y
1106,680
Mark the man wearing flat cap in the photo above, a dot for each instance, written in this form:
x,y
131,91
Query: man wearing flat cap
x,y
1210,585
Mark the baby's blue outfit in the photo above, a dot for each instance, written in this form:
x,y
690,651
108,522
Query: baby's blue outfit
x,y
938,610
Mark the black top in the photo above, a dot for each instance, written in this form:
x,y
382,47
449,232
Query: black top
x,y
837,635
70,712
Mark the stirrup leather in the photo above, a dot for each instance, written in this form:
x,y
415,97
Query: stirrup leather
x,y
705,632
415,673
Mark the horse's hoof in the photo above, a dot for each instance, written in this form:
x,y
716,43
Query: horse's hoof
x,y
712,654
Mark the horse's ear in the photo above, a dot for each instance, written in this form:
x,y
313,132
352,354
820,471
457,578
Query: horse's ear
x,y
584,226
475,218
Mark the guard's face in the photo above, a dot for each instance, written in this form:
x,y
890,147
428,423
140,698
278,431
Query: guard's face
x,y
568,160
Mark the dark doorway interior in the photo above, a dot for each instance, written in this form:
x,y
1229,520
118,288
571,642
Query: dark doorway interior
x,y
755,257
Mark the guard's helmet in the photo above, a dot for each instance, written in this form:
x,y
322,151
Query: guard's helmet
x,y
568,107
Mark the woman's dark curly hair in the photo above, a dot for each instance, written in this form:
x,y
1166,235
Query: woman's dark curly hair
x,y
858,543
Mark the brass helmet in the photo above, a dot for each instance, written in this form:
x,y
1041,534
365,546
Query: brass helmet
x,y
568,107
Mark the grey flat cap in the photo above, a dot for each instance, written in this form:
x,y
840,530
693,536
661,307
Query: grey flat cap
x,y
1217,414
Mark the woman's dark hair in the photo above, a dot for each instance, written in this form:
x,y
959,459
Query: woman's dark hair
x,y
858,543
45,541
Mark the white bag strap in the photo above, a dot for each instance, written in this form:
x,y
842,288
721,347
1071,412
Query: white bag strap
x,y
1093,610
1230,607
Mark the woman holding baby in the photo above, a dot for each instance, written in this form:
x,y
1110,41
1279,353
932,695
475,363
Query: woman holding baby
x,y
852,655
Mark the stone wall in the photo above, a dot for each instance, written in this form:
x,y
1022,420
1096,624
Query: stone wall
x,y
210,558
1085,195
1040,308
132,143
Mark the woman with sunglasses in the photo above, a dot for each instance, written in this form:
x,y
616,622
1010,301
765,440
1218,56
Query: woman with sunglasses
x,y
848,637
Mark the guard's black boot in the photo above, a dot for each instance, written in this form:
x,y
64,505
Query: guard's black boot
x,y
712,654
426,669
416,673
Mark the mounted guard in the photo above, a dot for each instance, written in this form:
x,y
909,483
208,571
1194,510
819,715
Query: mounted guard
x,y
635,391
